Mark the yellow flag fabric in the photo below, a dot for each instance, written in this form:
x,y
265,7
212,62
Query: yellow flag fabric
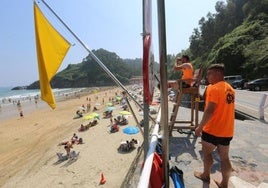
x,y
51,49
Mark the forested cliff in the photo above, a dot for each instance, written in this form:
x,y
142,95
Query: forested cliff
x,y
236,35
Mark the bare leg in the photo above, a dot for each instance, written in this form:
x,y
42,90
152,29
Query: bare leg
x,y
226,167
207,149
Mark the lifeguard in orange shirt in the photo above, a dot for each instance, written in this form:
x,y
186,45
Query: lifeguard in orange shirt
x,y
217,125
183,64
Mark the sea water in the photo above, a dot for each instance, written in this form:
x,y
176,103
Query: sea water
x,y
30,99
9,96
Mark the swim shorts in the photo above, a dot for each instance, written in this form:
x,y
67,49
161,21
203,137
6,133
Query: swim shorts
x,y
225,141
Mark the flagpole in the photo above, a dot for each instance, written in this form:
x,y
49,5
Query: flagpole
x,y
95,58
163,81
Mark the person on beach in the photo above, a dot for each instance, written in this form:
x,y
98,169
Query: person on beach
x,y
19,104
82,128
79,114
35,100
74,137
183,64
21,114
114,128
95,109
88,107
73,140
68,147
217,125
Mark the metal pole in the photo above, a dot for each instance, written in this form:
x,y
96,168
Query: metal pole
x,y
147,31
262,106
163,87
145,106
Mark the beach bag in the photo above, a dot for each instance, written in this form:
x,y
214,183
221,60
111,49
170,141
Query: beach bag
x,y
177,177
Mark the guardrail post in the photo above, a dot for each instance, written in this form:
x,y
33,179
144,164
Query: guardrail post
x,y
262,106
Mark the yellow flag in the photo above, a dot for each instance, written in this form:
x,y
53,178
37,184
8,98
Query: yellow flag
x,y
51,49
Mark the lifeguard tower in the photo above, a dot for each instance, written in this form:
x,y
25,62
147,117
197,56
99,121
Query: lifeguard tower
x,y
193,91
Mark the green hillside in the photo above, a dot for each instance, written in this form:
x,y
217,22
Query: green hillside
x,y
236,35
88,73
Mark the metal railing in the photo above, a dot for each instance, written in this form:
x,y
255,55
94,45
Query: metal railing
x,y
146,172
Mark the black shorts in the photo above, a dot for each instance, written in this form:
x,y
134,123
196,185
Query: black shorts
x,y
185,85
225,141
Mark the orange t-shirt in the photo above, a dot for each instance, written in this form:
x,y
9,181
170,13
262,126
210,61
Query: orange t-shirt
x,y
221,123
187,72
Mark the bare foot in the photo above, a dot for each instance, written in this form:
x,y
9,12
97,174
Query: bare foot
x,y
201,176
218,183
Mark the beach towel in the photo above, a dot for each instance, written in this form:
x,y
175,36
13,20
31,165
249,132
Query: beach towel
x,y
156,178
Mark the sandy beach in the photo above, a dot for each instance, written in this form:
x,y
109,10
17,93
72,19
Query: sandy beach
x,y
29,146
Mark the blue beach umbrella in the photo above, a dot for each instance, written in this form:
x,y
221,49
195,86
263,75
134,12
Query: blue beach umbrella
x,y
131,130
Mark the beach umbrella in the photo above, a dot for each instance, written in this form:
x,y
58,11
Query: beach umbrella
x,y
88,117
109,104
109,108
95,115
92,116
124,112
131,130
117,98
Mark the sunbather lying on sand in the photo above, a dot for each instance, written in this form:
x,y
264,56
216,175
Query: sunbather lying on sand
x,y
127,145
74,140
83,128
114,128
86,127
122,120
107,114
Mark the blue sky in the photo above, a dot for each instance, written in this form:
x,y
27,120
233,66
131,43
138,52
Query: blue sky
x,y
114,25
